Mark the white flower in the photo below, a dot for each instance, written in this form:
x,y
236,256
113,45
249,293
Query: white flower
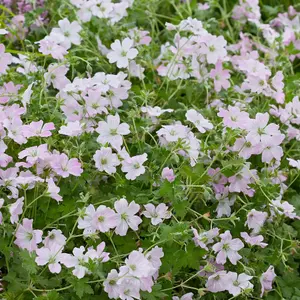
x,y
77,262
237,283
122,52
133,166
71,129
127,216
106,161
173,132
198,120
51,256
138,265
69,31
112,131
157,214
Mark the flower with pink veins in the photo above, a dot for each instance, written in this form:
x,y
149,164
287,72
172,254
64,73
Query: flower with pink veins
x,y
220,77
53,190
63,166
228,248
51,257
156,214
127,217
38,129
26,237
105,219
112,131
133,166
122,52
15,210
5,59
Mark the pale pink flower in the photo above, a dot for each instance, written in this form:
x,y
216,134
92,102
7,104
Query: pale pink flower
x,y
205,238
238,283
35,153
54,237
26,237
15,210
53,190
112,131
266,280
127,217
256,219
56,76
69,31
138,265
228,248
50,46
122,52
294,163
98,254
63,166
105,219
85,221
198,120
254,240
1,216
168,174
220,77
234,117
259,130
188,296
217,282
214,48
154,256
71,129
38,129
133,166
110,284
51,256
156,214
106,160
5,59
76,261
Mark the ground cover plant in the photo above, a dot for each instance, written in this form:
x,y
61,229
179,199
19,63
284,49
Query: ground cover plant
x,y
149,149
